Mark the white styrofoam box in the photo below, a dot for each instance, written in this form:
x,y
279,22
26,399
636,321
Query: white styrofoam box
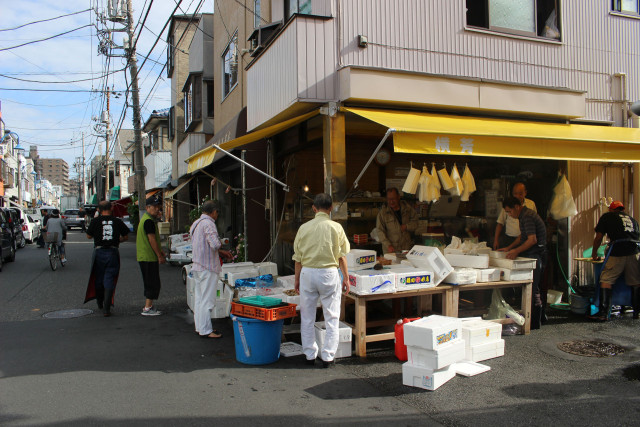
x,y
472,261
484,251
480,332
520,263
428,379
221,309
184,249
488,275
508,274
461,276
177,239
407,263
467,368
289,349
344,338
268,268
232,276
179,257
489,350
498,254
430,259
367,282
286,282
437,359
236,266
412,278
361,259
432,332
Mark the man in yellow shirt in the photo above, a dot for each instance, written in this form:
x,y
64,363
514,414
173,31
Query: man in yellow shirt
x,y
320,249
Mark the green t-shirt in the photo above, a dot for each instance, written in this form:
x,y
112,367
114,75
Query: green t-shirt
x,y
144,252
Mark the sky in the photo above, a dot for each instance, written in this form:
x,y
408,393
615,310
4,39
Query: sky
x,y
55,121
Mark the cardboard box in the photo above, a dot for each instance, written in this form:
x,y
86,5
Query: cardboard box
x,y
412,278
428,379
432,332
361,259
437,359
471,261
461,276
485,351
488,275
344,338
519,263
508,274
430,259
367,282
481,332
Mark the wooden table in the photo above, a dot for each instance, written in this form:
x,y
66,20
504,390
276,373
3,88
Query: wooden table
x,y
450,301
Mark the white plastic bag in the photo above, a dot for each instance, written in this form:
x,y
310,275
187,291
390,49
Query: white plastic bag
x,y
499,309
411,184
562,205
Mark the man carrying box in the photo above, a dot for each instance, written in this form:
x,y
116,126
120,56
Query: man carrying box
x,y
320,248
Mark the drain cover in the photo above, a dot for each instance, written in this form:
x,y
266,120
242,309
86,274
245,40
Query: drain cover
x,y
68,314
591,348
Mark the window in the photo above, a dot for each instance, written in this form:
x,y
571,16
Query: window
x,y
626,6
171,50
210,99
537,18
230,66
188,113
256,13
172,118
297,6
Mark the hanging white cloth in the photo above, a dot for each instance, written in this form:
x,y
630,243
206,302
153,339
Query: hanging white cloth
x,y
434,186
445,179
423,192
562,205
458,188
469,184
411,184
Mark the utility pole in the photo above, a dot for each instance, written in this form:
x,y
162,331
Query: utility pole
x,y
135,98
84,188
106,150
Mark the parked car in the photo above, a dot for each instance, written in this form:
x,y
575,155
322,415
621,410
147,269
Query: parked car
x,y
72,218
7,242
31,229
24,225
16,227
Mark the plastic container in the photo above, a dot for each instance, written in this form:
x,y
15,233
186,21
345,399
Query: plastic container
x,y
554,297
261,301
401,348
257,342
425,378
266,314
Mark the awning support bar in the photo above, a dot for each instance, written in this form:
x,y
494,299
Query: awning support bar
x,y
284,186
364,169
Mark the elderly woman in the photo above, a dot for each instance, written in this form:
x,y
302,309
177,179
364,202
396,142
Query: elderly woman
x,y
55,224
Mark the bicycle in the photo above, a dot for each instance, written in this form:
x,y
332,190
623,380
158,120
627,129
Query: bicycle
x,y
54,254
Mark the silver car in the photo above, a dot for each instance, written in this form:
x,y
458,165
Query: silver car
x,y
72,218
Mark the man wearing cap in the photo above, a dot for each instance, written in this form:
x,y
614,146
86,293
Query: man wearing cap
x,y
320,249
150,255
623,234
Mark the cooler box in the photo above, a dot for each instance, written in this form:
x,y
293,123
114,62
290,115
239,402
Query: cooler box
x,y
430,259
508,274
472,261
432,332
488,275
408,279
344,338
428,379
360,259
437,359
267,268
489,350
481,332
461,276
367,282
235,267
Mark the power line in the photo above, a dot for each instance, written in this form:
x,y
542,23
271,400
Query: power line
x,y
57,90
45,20
46,105
45,39
64,82
146,15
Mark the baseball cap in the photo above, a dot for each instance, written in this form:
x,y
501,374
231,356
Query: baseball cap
x,y
154,200
615,205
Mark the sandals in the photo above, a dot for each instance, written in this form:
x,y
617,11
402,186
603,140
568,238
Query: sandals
x,y
217,335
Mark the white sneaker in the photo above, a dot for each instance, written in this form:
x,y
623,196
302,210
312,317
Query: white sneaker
x,y
151,311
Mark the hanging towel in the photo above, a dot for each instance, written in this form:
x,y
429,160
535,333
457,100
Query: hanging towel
x,y
423,192
411,184
434,186
469,184
458,188
445,179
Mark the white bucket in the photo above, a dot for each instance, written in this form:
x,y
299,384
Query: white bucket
x,y
554,297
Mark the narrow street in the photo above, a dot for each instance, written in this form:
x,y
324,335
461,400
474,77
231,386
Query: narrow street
x,y
142,371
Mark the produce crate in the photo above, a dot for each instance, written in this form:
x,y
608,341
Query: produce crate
x,y
261,301
266,314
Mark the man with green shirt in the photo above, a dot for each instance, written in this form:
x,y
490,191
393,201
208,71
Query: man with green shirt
x,y
150,255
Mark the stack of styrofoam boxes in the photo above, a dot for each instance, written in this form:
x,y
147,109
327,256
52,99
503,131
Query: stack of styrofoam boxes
x,y
235,267
367,282
410,278
268,268
514,269
180,245
344,338
361,259
434,345
191,289
483,340
430,259
465,267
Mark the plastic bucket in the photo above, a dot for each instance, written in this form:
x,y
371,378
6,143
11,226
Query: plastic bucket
x,y
579,304
257,342
554,297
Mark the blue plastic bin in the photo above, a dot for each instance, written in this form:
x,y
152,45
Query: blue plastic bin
x,y
257,342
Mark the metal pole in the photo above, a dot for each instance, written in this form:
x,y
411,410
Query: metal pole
x,y
19,181
84,194
135,98
285,186
106,152
244,205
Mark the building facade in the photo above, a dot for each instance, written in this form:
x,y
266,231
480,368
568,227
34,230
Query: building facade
x,y
55,171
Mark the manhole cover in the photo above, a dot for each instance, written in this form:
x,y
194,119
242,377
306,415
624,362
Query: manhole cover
x,y
67,314
591,348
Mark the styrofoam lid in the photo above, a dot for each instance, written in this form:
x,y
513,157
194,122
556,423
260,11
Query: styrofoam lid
x,y
467,368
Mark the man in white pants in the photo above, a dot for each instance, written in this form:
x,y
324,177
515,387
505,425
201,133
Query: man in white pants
x,y
206,267
320,248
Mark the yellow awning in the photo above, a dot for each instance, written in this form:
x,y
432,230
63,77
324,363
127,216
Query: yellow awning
x,y
205,156
424,133
169,194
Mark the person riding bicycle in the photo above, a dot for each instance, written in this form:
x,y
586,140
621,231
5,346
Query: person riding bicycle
x,y
55,224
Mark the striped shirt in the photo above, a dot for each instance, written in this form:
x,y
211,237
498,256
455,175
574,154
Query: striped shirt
x,y
205,243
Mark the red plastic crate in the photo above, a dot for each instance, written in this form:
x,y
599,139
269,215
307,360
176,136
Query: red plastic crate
x,y
266,314
360,238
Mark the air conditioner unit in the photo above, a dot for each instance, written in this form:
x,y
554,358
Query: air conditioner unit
x,y
261,36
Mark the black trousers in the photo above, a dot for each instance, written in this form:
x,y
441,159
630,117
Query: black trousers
x,y
151,278
541,257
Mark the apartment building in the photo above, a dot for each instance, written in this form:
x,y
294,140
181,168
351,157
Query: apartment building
x,y
55,171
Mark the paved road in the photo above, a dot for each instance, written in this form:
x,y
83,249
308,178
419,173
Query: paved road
x,y
143,371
